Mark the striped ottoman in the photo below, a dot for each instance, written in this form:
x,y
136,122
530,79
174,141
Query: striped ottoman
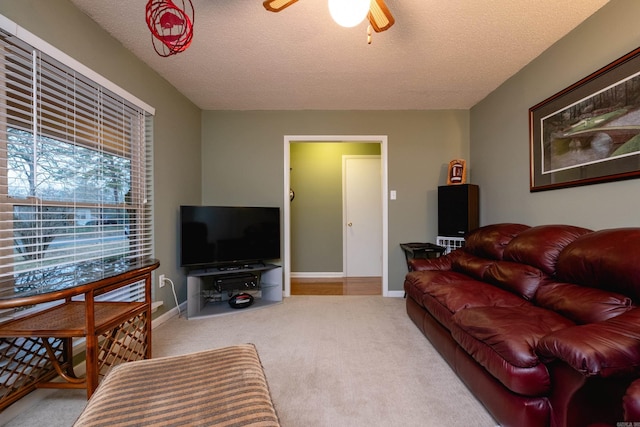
x,y
222,387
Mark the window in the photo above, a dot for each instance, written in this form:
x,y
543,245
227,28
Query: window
x,y
75,171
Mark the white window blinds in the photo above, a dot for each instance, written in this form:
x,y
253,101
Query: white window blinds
x,y
75,170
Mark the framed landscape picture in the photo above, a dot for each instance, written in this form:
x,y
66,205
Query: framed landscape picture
x,y
589,132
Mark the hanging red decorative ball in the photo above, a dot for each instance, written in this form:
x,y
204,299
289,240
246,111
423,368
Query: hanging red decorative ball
x,y
171,26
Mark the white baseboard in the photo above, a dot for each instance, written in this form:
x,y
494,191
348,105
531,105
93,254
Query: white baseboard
x,y
320,275
395,294
168,315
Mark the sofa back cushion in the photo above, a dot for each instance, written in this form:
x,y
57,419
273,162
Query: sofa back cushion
x,y
606,259
540,246
582,304
489,241
521,279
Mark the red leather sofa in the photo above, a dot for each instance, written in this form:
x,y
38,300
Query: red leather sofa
x,y
631,404
541,323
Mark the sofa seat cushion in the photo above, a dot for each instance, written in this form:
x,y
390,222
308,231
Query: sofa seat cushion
x,y
417,283
503,340
443,301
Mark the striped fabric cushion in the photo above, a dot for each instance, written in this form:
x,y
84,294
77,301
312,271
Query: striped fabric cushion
x,y
222,387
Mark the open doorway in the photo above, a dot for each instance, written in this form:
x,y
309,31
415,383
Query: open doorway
x,y
372,139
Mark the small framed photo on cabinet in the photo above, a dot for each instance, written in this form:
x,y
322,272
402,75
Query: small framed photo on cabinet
x,y
457,172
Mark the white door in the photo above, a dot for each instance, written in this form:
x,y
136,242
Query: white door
x,y
362,185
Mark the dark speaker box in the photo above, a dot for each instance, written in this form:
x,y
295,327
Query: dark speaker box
x,y
458,211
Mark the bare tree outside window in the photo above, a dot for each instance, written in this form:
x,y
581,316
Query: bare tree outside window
x,y
65,188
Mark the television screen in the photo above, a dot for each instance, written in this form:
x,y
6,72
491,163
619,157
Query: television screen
x,y
225,235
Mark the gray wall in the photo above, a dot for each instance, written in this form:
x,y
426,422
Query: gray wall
x,y
243,161
176,125
500,131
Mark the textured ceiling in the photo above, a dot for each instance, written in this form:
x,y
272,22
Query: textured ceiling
x,y
440,54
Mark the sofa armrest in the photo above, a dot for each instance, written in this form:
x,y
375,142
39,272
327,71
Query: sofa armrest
x,y
605,349
441,263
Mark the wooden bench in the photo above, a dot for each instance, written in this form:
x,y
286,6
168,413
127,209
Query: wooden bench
x,y
225,386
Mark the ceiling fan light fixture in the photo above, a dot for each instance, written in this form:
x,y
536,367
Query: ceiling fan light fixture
x,y
277,5
349,13
380,16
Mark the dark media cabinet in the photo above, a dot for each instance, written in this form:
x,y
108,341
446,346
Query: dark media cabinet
x,y
209,290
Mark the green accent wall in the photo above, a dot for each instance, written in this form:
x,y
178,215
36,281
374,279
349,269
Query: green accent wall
x,y
316,211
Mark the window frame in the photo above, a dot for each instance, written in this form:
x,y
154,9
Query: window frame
x,y
140,155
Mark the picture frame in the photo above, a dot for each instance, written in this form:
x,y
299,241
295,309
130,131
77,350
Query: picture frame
x,y
457,172
589,132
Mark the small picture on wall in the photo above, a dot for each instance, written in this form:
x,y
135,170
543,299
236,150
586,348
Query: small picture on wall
x,y
457,172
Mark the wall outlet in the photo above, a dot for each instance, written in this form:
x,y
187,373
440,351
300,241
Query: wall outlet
x,y
161,281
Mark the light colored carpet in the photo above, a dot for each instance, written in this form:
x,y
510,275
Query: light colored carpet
x,y
329,360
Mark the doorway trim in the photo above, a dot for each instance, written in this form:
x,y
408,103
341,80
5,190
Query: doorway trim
x,y
375,139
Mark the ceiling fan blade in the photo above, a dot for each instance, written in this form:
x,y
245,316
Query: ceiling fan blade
x,y
277,5
379,16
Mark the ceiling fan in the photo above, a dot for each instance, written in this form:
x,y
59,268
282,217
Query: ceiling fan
x,y
379,15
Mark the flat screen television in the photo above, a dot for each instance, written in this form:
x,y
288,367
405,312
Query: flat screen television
x,y
220,236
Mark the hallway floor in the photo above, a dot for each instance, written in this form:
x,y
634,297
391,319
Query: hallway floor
x,y
341,286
